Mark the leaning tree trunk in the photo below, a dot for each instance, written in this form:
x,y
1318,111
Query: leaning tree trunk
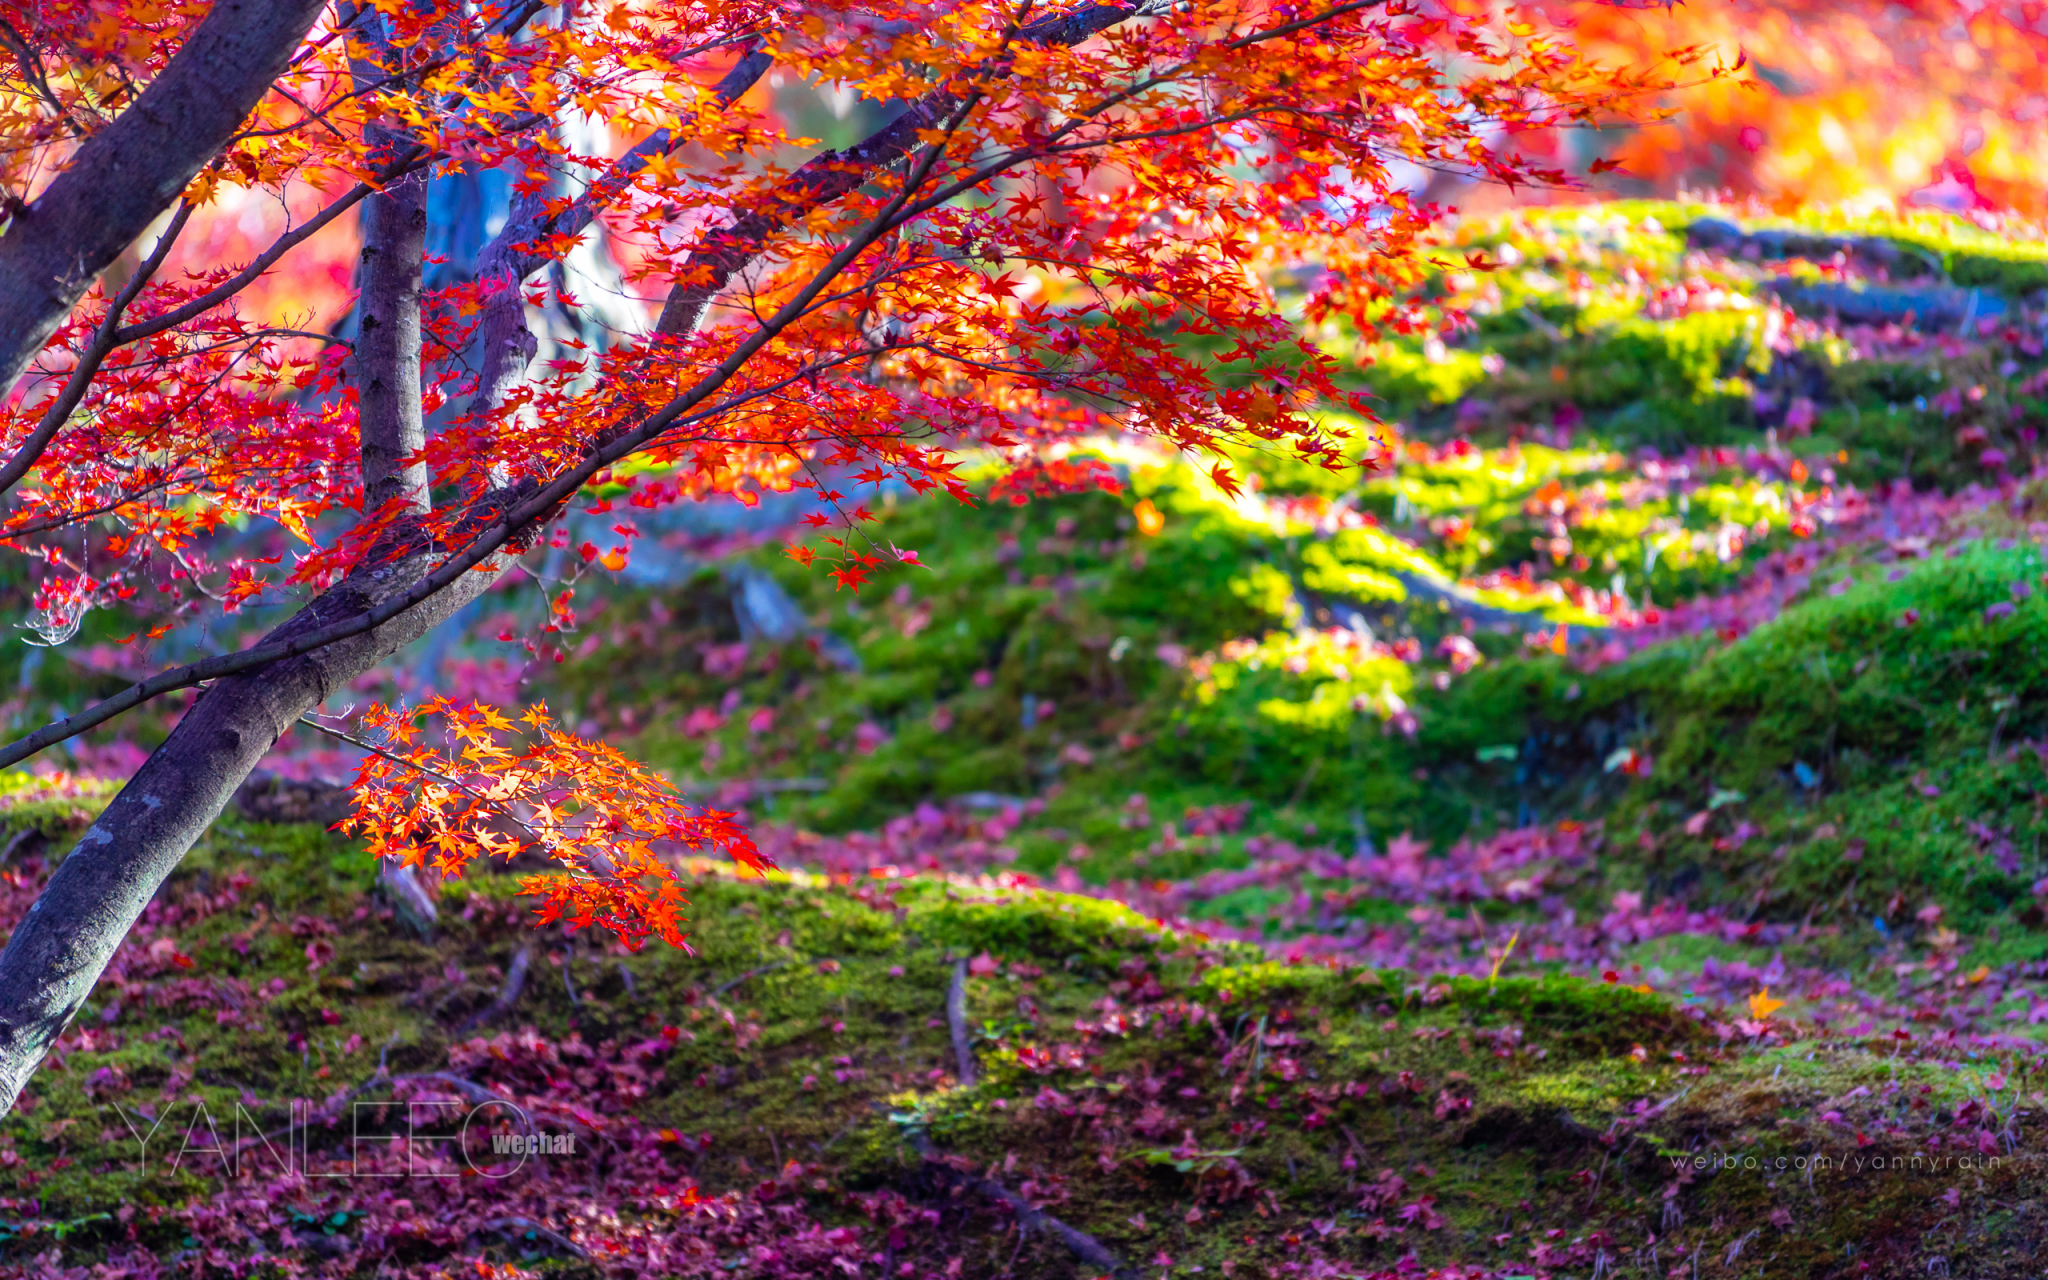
x,y
120,180
57,951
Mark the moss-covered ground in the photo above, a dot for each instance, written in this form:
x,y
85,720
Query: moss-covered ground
x,y
788,1099
1450,863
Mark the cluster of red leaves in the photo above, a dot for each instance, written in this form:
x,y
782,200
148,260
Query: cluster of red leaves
x,y
445,783
1144,188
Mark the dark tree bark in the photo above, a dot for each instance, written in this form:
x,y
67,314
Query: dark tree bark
x,y
130,171
59,949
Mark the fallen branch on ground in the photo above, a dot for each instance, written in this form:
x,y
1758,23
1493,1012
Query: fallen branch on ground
x,y
1029,1216
514,1227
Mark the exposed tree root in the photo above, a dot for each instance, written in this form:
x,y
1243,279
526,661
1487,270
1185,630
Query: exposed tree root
x,y
508,995
956,1015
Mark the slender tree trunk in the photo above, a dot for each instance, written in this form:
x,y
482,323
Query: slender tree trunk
x,y
390,420
388,410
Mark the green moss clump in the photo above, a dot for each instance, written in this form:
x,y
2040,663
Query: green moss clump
x,y
1875,671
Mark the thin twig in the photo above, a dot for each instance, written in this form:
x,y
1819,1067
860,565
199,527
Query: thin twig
x,y
751,973
527,1226
104,340
1595,1191
417,767
765,786
30,837
1082,1245
416,158
32,71
469,1089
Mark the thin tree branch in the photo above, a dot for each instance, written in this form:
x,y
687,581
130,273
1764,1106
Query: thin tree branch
x,y
32,71
1029,1216
403,763
104,340
415,158
508,995
503,265
403,163
956,1019
90,513
820,181
835,174
750,974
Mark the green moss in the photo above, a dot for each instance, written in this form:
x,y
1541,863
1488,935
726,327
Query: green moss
x,y
1488,1098
1871,717
2003,274
1266,981
55,806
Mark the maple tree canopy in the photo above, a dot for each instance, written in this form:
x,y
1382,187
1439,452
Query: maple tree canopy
x,y
1056,201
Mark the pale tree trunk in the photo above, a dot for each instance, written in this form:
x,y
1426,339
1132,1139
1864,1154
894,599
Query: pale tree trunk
x,y
390,417
387,357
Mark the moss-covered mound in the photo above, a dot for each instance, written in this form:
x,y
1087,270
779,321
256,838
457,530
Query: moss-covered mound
x,y
270,1078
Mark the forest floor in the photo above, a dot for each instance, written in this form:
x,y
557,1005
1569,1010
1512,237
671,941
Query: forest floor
x,y
1602,839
